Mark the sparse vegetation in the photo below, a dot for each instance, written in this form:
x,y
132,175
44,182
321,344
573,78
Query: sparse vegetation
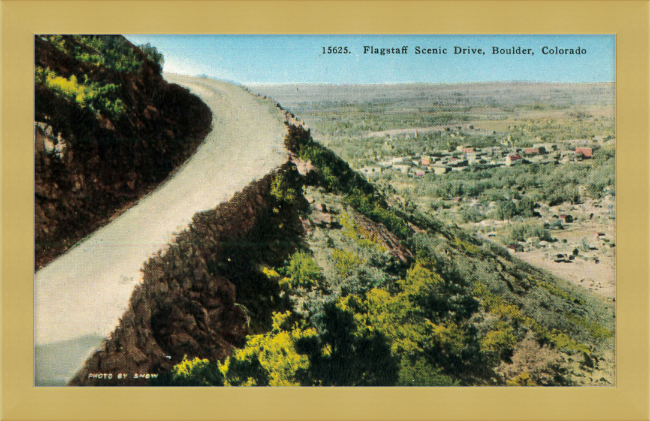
x,y
436,323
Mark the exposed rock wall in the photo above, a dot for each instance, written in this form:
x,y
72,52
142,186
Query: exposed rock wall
x,y
90,166
198,297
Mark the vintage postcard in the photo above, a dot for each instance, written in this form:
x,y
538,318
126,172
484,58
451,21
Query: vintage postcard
x,y
306,210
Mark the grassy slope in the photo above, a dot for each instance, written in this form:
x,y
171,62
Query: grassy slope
x,y
455,311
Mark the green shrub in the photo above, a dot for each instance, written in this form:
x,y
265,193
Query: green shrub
x,y
281,189
99,98
470,248
595,330
153,54
472,215
195,372
347,353
559,293
112,51
520,232
269,359
523,379
498,306
369,206
500,340
422,373
345,262
301,271
337,176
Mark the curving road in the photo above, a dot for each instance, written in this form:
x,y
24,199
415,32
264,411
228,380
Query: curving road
x,y
80,296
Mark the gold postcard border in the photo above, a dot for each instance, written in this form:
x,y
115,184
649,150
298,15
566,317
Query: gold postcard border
x,y
20,20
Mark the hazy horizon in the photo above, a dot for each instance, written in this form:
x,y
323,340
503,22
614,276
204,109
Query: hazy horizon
x,y
421,83
302,59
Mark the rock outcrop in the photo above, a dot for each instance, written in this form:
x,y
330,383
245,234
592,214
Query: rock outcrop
x,y
89,165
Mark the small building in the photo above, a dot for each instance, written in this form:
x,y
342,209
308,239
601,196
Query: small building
x,y
440,169
545,147
561,258
404,168
371,171
513,159
533,241
566,218
599,139
515,247
467,150
584,152
460,169
419,172
531,151
459,163
425,160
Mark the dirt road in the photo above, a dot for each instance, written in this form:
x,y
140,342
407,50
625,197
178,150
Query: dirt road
x,y
80,296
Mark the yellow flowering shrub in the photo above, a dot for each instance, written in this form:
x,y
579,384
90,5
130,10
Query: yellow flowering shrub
x,y
359,234
276,353
523,379
345,261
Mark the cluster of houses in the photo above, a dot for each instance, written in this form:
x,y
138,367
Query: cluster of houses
x,y
465,157
592,247
564,252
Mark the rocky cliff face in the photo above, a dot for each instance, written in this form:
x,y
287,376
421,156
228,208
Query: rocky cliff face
x,y
202,296
89,162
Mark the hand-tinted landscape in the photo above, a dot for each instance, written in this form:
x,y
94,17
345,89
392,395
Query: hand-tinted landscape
x,y
321,234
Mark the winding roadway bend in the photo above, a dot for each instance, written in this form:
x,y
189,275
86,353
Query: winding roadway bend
x,y
80,296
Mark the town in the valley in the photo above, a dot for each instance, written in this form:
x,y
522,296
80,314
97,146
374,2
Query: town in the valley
x,y
464,158
582,244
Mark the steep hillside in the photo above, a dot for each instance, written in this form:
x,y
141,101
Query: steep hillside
x,y
108,128
310,277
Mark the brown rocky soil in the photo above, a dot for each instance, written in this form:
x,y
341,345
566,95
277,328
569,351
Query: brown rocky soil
x,y
108,162
196,299
385,237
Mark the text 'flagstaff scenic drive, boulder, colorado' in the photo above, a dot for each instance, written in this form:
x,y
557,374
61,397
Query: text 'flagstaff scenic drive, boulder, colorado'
x,y
456,50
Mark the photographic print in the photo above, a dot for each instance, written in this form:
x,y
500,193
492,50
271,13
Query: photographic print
x,y
320,210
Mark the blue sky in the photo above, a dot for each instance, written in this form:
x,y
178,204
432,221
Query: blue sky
x,y
255,59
